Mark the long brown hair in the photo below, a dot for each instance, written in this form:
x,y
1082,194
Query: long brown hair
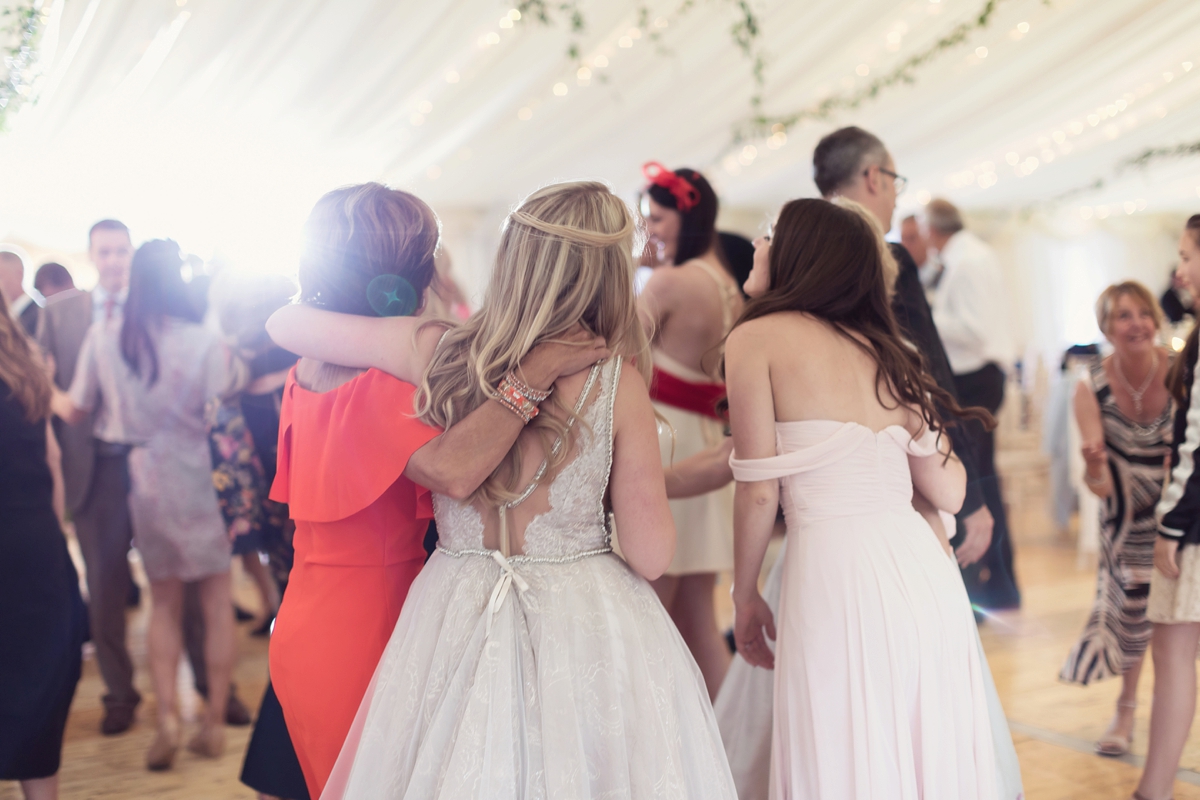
x,y
825,261
156,291
20,368
1179,377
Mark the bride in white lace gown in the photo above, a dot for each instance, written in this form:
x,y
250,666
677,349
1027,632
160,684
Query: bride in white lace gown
x,y
529,660
879,684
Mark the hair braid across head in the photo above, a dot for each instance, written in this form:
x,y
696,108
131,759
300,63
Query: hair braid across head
x,y
580,236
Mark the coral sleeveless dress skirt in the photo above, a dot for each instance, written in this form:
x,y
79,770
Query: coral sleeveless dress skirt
x,y
359,530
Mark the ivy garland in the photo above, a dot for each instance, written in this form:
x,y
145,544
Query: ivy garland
x,y
745,34
1151,154
1141,161
24,26
744,31
762,125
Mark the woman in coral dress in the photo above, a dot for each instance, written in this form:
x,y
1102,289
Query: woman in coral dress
x,y
356,465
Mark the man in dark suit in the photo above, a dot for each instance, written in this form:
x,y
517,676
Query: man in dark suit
x,y
95,471
854,164
20,305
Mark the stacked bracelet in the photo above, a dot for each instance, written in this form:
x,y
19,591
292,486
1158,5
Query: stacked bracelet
x,y
525,389
515,400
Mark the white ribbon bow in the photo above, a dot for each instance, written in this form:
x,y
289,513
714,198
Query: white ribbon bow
x,y
508,577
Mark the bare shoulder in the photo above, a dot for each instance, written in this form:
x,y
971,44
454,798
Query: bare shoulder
x,y
632,410
665,281
428,336
629,379
768,330
685,279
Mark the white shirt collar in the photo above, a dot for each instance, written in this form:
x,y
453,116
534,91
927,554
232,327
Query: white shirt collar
x,y
100,296
20,304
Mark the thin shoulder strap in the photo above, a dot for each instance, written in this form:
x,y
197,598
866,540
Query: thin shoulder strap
x,y
722,287
541,472
613,380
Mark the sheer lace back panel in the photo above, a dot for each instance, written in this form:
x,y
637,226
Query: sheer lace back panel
x,y
563,517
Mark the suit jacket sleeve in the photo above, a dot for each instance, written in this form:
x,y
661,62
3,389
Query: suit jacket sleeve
x,y
916,322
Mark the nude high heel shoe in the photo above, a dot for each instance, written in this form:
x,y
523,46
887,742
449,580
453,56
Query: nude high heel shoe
x,y
1112,745
209,741
161,754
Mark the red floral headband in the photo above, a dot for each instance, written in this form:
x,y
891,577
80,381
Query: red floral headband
x,y
686,195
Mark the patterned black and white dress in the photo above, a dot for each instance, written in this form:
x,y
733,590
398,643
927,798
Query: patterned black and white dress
x,y
1117,630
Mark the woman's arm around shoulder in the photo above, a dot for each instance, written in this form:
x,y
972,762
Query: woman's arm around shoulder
x,y
645,527
391,344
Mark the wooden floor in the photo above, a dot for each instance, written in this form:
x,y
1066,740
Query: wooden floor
x,y
1053,724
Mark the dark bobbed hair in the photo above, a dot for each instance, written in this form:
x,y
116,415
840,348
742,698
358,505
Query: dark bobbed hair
x,y
841,155
108,225
697,225
357,233
739,256
1182,372
52,274
826,261
156,291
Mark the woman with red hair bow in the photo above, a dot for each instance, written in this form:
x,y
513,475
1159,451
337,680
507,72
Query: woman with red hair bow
x,y
688,306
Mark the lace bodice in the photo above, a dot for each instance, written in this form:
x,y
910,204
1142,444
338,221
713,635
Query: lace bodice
x,y
576,520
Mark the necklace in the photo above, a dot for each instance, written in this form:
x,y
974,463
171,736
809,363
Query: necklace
x,y
1138,393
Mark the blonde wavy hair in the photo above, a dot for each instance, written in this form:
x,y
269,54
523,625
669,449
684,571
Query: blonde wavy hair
x,y
565,258
1106,303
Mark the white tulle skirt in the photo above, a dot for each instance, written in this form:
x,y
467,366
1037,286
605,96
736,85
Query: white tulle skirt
x,y
583,688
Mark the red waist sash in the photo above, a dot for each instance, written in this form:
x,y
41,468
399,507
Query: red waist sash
x,y
698,398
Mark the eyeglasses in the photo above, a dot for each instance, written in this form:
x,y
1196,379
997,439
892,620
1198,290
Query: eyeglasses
x,y
899,181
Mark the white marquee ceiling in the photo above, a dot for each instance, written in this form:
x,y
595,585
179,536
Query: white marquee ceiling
x,y
221,121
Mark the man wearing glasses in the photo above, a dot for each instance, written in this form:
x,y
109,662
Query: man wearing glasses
x,y
853,163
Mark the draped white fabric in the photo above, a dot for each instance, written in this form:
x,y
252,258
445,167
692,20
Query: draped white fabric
x,y
231,117
219,122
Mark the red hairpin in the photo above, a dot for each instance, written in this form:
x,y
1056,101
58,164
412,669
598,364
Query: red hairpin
x,y
686,195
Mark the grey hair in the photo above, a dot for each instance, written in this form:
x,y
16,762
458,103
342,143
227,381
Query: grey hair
x,y
842,155
943,217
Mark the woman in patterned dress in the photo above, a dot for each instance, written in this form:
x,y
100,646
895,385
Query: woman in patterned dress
x,y
1124,414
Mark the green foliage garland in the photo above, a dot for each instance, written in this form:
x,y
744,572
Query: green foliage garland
x,y
744,31
1142,161
762,125
24,23
1151,154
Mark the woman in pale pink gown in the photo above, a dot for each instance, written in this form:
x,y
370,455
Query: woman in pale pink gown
x,y
879,683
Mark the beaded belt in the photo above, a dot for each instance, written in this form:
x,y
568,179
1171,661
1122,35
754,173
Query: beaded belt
x,y
509,576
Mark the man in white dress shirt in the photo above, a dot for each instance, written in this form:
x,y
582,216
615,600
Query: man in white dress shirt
x,y
929,267
970,307
971,314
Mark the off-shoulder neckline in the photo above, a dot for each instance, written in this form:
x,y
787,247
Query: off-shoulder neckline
x,y
844,423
